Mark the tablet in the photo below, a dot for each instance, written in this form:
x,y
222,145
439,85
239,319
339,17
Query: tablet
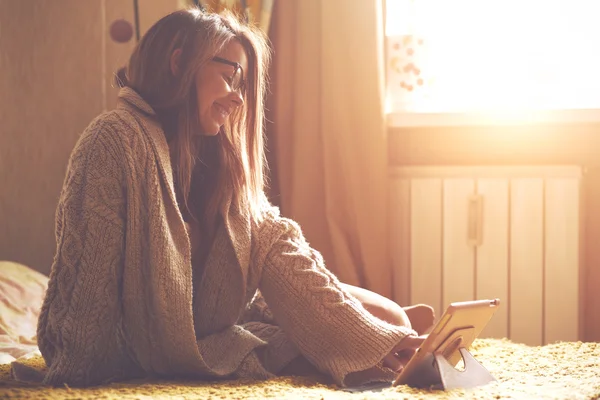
x,y
458,327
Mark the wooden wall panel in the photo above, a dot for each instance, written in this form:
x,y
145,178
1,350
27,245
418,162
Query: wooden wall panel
x,y
526,261
561,272
400,240
426,243
50,89
56,63
458,257
506,232
492,254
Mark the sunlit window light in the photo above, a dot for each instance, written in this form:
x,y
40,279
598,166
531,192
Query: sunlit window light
x,y
484,56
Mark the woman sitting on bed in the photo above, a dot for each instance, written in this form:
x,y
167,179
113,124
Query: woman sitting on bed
x,y
168,251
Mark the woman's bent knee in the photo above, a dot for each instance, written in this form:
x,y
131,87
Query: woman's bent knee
x,y
379,306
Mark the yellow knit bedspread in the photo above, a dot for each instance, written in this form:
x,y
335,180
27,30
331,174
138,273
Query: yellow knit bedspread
x,y
557,371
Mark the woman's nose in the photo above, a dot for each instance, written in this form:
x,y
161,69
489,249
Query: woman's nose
x,y
236,98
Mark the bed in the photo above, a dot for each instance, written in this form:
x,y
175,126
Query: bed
x,y
569,370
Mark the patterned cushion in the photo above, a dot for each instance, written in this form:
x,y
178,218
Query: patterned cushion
x,y
22,292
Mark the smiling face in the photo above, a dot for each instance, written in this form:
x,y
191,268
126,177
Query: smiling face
x,y
216,88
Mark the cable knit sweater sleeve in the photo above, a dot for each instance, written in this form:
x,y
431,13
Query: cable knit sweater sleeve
x,y
76,328
330,327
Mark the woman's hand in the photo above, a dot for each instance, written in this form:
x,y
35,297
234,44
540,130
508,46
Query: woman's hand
x,y
403,352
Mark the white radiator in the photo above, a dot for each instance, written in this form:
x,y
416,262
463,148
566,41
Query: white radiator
x,y
463,233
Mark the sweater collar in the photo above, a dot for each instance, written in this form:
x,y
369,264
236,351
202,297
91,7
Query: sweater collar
x,y
237,223
130,96
131,101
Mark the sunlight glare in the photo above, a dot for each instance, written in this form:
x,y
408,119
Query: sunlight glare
x,y
503,57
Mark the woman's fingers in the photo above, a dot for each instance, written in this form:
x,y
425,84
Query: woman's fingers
x,y
410,342
403,352
405,355
392,362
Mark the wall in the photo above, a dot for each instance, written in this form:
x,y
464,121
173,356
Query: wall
x,y
577,144
57,63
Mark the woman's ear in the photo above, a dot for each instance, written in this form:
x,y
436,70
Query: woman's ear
x,y
175,60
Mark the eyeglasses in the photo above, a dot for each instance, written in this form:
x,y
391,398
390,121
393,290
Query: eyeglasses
x,y
237,83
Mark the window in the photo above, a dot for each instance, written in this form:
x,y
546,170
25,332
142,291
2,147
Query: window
x,y
508,58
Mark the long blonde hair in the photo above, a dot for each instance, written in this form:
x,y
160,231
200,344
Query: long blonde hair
x,y
200,36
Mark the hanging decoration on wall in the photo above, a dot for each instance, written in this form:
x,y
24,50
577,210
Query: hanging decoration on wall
x,y
121,31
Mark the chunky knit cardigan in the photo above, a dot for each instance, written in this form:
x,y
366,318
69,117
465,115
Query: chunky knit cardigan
x,y
119,302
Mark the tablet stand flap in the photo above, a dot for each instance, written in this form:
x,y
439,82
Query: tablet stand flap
x,y
473,375
436,372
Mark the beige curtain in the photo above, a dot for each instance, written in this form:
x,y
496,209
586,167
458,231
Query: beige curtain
x,y
328,133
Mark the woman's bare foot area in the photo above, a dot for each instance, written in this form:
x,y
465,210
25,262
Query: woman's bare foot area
x,y
421,317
